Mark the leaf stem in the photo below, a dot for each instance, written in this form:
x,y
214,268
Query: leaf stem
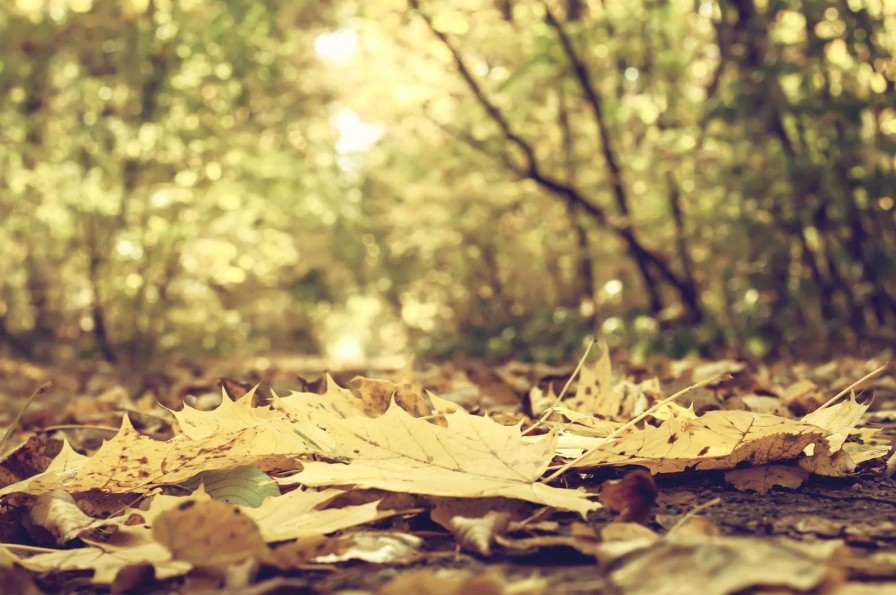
x,y
629,424
858,382
690,514
39,391
559,397
80,427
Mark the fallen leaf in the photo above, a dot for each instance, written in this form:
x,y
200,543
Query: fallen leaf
x,y
631,497
132,462
56,514
594,394
715,440
726,565
378,547
471,457
762,478
64,467
474,524
303,551
803,397
377,395
209,533
297,514
720,367
426,581
24,461
245,485
106,564
18,581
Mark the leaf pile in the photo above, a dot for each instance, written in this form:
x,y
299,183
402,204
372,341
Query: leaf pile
x,y
292,485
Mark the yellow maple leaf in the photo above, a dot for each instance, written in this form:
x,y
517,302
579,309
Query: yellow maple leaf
x,y
472,457
715,440
132,462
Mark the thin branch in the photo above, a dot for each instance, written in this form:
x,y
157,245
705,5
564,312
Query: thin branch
x,y
479,145
595,102
531,167
643,257
494,112
15,422
629,424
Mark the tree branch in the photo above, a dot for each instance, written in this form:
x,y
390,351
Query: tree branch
x,y
644,258
595,103
531,168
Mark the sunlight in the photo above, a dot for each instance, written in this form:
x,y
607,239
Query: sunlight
x,y
355,135
338,46
347,350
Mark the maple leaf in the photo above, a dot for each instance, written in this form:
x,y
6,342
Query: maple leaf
x,y
595,393
132,462
725,439
228,416
337,401
63,467
715,440
471,457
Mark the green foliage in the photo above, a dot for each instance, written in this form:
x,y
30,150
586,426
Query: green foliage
x,y
236,176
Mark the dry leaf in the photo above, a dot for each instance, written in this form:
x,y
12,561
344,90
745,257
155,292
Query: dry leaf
x,y
474,523
471,457
303,551
106,564
335,400
209,533
595,394
132,462
24,461
378,547
18,581
802,397
762,478
295,515
445,582
720,367
378,394
715,440
631,497
726,565
56,514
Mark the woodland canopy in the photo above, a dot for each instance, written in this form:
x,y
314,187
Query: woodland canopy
x,y
475,176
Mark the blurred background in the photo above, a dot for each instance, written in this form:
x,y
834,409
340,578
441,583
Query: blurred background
x,y
441,177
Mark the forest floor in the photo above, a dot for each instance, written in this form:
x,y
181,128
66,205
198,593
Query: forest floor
x,y
757,477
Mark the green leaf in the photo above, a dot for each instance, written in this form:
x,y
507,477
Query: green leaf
x,y
246,486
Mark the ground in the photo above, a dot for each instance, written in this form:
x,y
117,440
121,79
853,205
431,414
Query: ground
x,y
834,530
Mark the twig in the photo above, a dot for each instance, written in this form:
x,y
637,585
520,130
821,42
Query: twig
x,y
39,391
861,380
27,548
559,397
690,514
631,423
80,427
